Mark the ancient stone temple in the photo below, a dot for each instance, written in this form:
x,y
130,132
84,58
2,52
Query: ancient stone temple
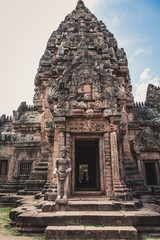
x,y
84,147
83,100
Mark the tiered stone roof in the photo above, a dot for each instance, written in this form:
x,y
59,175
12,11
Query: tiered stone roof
x,y
83,51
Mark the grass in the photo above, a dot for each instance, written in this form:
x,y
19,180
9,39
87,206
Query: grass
x,y
11,231
6,229
5,209
150,236
40,238
5,222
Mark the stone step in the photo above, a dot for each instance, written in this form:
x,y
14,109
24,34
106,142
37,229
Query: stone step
x,y
148,229
91,232
31,230
43,163
35,185
46,187
92,206
12,187
8,190
9,200
36,182
76,218
25,192
15,183
41,168
41,175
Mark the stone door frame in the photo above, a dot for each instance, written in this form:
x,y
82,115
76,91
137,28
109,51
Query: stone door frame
x,y
100,139
155,162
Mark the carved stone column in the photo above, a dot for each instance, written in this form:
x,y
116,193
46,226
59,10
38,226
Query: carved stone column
x,y
68,144
120,190
68,147
60,126
59,137
59,142
114,158
108,167
129,164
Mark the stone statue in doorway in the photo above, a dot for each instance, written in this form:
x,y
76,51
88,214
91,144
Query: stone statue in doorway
x,y
63,168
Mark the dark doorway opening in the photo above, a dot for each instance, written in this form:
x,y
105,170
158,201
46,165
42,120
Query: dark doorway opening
x,y
87,176
3,167
151,177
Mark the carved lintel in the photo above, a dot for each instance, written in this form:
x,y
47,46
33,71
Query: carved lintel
x,y
87,125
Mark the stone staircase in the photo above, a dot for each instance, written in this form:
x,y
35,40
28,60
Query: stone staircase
x,y
31,186
12,187
37,179
87,219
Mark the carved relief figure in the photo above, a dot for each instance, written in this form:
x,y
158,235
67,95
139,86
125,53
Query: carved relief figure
x,y
63,168
149,141
153,96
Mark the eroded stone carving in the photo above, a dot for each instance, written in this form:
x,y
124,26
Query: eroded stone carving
x,y
120,190
87,126
149,141
63,168
153,96
114,157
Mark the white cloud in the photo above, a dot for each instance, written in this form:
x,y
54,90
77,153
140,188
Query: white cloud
x,y
129,41
155,81
116,20
140,92
137,52
146,77
143,51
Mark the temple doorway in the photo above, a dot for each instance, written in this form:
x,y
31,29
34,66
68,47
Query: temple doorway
x,y
87,177
3,167
150,170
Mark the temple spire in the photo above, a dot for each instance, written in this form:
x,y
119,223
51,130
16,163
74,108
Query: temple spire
x,y
80,4
80,1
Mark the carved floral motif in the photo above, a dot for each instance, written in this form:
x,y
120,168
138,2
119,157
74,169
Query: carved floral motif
x,y
87,126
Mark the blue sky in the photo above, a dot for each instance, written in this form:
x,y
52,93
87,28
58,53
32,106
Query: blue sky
x,y
136,26
25,26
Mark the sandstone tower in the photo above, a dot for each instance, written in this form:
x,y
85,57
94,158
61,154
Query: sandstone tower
x,y
83,100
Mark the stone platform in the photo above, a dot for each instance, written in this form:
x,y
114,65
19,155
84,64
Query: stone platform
x,y
92,205
82,232
96,218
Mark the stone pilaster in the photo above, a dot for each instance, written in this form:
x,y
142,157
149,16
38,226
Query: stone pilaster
x,y
108,168
60,135
68,147
120,190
